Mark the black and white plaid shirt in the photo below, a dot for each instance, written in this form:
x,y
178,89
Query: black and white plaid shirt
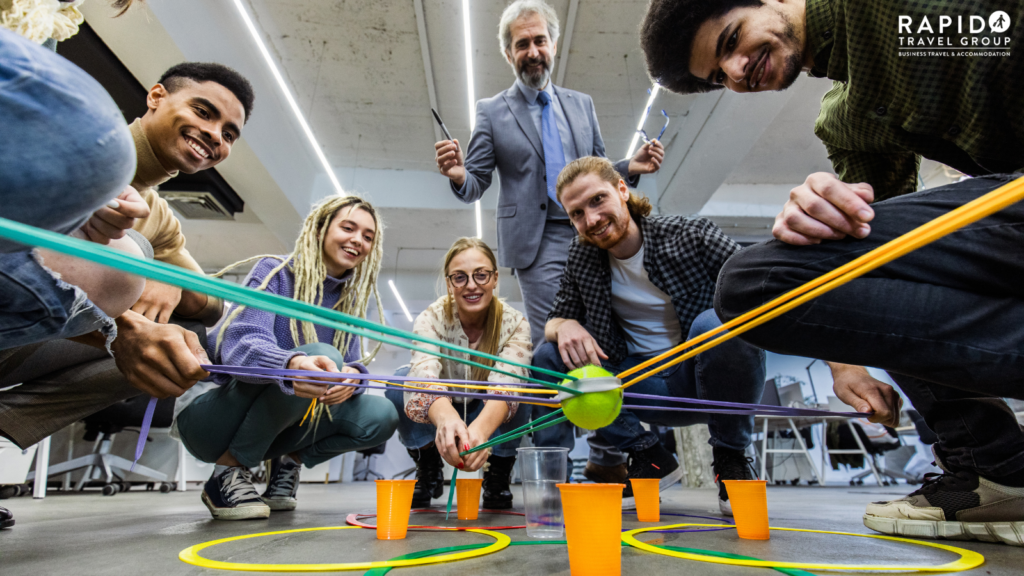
x,y
682,257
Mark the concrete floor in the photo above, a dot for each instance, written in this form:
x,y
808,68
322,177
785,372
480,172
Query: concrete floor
x,y
142,533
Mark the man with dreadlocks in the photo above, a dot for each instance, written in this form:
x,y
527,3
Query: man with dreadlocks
x,y
237,423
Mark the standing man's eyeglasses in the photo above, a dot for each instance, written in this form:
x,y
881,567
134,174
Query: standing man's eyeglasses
x,y
480,277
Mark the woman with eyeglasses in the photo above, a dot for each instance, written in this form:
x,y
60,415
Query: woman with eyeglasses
x,y
432,425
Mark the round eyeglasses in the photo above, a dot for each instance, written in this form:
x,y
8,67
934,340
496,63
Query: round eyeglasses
x,y
480,277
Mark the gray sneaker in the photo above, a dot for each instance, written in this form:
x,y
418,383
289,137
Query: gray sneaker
x,y
954,506
282,486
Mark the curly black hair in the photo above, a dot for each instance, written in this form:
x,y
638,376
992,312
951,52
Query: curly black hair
x,y
667,34
210,72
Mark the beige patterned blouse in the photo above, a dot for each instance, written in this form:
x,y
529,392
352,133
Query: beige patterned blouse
x,y
514,344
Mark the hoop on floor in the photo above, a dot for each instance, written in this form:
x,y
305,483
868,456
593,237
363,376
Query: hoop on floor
x,y
191,555
356,519
968,558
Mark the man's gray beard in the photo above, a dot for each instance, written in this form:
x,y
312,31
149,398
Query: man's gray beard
x,y
537,82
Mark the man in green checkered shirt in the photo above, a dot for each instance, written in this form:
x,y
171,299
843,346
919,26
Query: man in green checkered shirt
x,y
939,79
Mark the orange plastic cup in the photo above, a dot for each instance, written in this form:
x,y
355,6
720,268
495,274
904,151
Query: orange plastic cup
x,y
648,499
467,490
394,504
593,528
749,501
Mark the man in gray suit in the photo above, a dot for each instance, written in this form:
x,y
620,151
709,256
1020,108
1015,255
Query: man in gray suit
x,y
529,133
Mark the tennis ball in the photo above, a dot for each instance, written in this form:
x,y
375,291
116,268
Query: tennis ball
x,y
592,410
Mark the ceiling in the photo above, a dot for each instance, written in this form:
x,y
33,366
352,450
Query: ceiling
x,y
365,74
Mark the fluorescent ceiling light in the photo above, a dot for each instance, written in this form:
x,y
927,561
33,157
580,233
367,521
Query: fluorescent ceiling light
x,y
470,96
643,119
479,221
288,95
469,64
400,301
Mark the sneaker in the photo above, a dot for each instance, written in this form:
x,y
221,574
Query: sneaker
x,y
730,464
497,476
653,462
231,496
954,506
283,484
6,518
429,475
605,474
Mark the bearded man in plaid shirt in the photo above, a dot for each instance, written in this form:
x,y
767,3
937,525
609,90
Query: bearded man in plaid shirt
x,y
635,286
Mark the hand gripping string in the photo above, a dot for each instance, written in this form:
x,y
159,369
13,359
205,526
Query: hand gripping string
x,y
266,301
927,233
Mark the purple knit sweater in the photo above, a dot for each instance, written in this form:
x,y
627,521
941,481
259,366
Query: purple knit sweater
x,y
261,339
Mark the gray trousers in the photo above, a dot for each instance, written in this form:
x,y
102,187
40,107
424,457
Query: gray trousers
x,y
62,382
539,285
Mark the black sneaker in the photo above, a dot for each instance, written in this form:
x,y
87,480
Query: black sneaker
x,y
429,475
6,518
231,496
653,462
497,477
730,464
282,486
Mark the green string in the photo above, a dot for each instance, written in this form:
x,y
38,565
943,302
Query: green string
x,y
450,549
538,424
510,436
451,492
273,303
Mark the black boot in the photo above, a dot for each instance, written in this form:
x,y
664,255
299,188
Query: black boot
x,y
497,477
6,518
429,475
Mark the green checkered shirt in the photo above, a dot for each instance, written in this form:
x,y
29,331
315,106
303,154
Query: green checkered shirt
x,y
886,108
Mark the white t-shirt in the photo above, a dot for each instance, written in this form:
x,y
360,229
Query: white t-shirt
x,y
645,313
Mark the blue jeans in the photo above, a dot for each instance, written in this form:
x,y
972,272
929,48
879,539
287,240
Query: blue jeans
x,y
416,435
731,372
65,151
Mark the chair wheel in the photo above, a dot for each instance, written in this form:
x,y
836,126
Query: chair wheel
x,y
124,486
165,487
110,489
9,491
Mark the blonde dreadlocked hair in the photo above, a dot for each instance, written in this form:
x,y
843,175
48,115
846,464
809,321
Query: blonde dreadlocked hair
x,y
307,265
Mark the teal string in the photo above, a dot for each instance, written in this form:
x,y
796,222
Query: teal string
x,y
451,492
273,303
513,436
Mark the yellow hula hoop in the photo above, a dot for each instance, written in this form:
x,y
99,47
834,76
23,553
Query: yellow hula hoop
x,y
968,559
191,555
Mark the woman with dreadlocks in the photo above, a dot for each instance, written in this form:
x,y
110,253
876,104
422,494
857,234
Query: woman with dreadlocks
x,y
432,425
238,422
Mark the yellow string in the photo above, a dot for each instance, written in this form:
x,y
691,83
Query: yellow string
x,y
410,383
309,411
973,211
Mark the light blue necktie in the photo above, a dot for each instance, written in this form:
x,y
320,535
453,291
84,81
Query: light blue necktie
x,y
554,155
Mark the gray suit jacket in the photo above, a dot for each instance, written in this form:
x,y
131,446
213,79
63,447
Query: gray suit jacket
x,y
506,138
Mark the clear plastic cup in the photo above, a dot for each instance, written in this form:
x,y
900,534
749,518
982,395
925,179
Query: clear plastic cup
x,y
394,504
542,469
593,528
749,501
467,492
